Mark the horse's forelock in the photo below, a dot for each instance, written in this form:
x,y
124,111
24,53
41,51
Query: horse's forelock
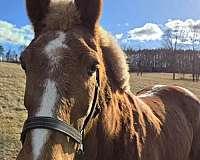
x,y
62,15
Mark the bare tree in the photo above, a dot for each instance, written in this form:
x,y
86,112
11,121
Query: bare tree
x,y
195,41
1,50
170,43
1,53
168,39
172,40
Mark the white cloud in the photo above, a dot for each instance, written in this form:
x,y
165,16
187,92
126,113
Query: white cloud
x,y
9,33
123,24
154,32
119,36
187,31
177,24
149,32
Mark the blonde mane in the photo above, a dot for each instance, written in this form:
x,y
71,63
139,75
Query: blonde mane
x,y
115,61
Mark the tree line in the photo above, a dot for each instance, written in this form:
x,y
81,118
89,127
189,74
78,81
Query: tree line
x,y
179,53
10,55
165,60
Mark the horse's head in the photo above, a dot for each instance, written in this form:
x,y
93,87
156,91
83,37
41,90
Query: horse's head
x,y
63,66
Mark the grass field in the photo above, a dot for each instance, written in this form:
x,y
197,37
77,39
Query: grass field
x,y
13,114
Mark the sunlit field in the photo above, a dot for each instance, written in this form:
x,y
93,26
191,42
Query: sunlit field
x,y
13,113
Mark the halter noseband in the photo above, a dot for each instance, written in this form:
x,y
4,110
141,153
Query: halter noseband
x,y
60,126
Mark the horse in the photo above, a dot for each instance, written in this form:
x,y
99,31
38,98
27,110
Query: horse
x,y
78,95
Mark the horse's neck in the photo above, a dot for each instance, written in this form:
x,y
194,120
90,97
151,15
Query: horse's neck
x,y
122,128
114,130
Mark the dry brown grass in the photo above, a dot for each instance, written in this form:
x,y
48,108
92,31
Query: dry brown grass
x,y
149,79
13,114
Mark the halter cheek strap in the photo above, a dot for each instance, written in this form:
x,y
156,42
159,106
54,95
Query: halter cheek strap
x,y
62,127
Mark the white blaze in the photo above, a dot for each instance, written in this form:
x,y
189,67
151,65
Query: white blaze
x,y
40,136
56,43
52,46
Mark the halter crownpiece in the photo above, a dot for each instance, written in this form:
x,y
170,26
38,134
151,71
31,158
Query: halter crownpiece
x,y
60,126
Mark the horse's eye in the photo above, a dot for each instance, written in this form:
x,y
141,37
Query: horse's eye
x,y
92,69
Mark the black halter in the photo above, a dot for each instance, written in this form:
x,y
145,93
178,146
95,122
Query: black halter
x,y
60,126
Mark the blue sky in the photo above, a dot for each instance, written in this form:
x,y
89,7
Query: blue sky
x,y
139,12
138,23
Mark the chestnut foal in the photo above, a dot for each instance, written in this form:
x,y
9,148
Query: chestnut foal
x,y
78,98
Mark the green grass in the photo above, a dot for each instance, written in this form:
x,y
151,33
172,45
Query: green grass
x,y
13,113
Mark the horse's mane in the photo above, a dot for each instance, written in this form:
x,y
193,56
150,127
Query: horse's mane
x,y
115,61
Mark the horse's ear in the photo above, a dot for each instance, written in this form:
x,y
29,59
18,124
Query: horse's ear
x,y
37,9
90,12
